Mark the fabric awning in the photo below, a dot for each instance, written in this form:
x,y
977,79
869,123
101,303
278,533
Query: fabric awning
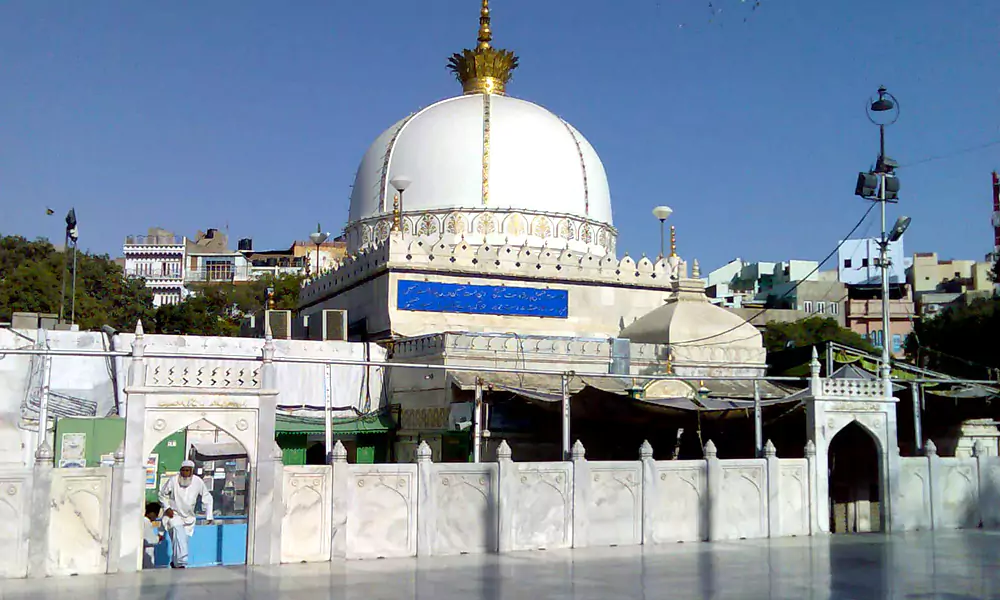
x,y
218,451
545,388
290,424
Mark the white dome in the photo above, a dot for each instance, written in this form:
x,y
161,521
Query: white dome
x,y
535,163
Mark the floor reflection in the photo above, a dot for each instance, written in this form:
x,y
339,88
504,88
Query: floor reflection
x,y
917,566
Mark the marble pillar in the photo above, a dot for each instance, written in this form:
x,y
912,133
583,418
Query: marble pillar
x,y
713,468
581,483
508,488
41,512
117,486
266,508
773,490
338,500
426,507
128,520
649,483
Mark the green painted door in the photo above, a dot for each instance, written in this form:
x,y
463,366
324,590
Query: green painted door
x,y
169,456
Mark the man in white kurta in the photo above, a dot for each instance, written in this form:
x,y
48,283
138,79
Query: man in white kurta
x,y
179,495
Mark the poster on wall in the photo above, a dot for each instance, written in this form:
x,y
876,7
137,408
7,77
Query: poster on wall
x,y
152,462
74,449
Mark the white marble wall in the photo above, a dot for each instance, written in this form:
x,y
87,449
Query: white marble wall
x,y
743,500
458,511
539,513
607,503
793,497
381,511
305,526
677,502
955,495
79,525
15,495
913,497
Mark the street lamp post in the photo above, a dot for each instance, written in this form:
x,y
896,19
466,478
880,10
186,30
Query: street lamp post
x,y
661,213
318,238
400,183
882,186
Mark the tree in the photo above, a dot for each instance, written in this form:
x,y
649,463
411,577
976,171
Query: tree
x,y
960,341
813,331
31,275
218,309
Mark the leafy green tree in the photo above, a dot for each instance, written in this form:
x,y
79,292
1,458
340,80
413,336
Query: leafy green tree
x,y
812,331
962,340
31,275
218,309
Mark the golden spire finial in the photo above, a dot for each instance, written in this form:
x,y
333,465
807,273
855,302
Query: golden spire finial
x,y
485,35
485,70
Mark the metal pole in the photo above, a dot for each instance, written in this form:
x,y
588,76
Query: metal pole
x,y
43,403
327,412
317,260
918,416
72,318
883,259
477,423
758,425
663,247
565,417
62,297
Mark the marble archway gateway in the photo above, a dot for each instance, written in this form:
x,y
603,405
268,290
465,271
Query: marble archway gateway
x,y
167,394
831,406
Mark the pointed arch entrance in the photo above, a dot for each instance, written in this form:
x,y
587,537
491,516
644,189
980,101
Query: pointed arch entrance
x,y
855,483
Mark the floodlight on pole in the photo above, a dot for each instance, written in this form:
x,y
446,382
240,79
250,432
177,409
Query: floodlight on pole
x,y
662,213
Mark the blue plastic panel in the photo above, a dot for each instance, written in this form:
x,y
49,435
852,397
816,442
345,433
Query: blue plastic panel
x,y
482,299
211,545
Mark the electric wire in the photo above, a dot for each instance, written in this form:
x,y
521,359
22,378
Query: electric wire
x,y
787,292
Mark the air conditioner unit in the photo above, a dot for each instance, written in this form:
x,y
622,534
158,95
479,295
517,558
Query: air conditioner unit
x,y
280,322
329,325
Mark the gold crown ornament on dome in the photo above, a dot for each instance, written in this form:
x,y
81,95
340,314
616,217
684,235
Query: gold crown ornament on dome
x,y
485,70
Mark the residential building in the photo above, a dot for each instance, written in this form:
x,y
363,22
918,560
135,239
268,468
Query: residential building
x,y
299,259
857,262
938,284
158,258
863,314
795,285
208,260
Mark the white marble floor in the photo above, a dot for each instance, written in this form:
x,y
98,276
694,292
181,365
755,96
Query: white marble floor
x,y
917,566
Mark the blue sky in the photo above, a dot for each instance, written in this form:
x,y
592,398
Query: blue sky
x,y
254,115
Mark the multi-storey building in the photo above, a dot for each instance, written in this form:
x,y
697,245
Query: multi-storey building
x,y
158,258
210,261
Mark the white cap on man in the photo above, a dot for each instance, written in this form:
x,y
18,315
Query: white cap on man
x,y
187,463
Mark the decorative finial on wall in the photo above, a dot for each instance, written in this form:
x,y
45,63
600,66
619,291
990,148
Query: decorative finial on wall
x,y
395,212
673,241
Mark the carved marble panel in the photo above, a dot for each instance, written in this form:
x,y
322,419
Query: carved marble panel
x,y
382,511
614,503
465,508
913,500
80,518
543,506
680,502
305,527
959,493
743,499
15,493
989,491
793,492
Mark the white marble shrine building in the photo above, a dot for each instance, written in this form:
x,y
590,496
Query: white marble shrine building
x,y
481,234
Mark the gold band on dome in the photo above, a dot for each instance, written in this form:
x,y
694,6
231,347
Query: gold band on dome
x,y
486,149
485,70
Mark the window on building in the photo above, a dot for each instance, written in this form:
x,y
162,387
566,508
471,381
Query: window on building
x,y
807,306
847,263
821,307
897,343
834,308
864,262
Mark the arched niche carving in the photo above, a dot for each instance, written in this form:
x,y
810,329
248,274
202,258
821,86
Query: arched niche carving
x,y
240,424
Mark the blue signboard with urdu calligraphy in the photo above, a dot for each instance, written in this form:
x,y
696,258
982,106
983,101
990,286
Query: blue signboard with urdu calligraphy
x,y
482,299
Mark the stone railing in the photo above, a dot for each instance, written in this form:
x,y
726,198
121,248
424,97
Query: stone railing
x,y
852,388
458,255
433,509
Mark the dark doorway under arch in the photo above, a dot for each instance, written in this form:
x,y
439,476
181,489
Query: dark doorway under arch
x,y
855,499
